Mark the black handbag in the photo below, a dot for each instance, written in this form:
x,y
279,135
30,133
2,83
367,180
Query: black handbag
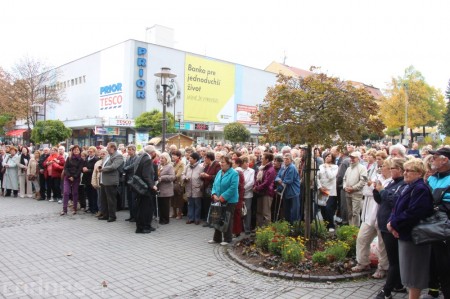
x,y
219,217
138,185
435,228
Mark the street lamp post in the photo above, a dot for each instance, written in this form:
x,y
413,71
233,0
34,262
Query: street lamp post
x,y
36,110
406,115
165,74
179,128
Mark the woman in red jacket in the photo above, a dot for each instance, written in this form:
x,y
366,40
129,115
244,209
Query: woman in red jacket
x,y
54,165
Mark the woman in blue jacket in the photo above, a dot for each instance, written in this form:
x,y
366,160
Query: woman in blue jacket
x,y
225,190
289,178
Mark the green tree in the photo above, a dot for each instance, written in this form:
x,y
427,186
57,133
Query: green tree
x,y
153,121
317,110
50,131
444,127
392,132
236,132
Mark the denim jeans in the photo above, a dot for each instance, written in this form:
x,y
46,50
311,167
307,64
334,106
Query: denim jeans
x,y
292,209
194,208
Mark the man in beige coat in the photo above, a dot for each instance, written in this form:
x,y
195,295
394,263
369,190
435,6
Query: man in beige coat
x,y
355,179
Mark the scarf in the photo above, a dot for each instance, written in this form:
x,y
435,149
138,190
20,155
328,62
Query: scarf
x,y
260,174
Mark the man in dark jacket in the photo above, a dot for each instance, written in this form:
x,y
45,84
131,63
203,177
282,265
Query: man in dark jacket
x,y
144,206
129,172
440,251
87,170
42,178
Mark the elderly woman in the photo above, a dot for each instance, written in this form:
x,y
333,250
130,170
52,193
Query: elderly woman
x,y
289,179
54,165
193,188
414,204
225,191
24,186
95,181
178,187
11,176
33,174
386,193
166,175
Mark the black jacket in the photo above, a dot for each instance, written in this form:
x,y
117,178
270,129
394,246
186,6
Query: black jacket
x,y
386,200
87,176
146,172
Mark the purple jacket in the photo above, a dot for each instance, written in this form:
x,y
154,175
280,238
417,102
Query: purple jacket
x,y
414,204
265,186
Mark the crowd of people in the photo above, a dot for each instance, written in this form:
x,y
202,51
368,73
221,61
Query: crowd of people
x,y
385,190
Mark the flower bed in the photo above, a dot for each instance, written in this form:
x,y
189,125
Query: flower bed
x,y
281,247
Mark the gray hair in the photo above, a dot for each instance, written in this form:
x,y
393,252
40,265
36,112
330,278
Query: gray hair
x,y
398,146
149,149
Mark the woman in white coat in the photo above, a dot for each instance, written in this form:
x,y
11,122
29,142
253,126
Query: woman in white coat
x,y
10,177
326,183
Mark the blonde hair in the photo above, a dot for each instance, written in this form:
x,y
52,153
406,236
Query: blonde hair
x,y
166,156
415,164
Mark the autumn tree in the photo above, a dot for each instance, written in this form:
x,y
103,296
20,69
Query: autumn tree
x,y
152,121
236,132
444,127
412,98
317,110
31,82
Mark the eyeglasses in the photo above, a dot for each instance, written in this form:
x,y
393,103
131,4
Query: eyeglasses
x,y
409,170
392,168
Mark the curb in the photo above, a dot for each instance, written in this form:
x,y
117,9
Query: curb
x,y
294,276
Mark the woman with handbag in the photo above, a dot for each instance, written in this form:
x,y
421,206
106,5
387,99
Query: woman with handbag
x,y
178,187
25,189
414,204
33,174
166,176
225,192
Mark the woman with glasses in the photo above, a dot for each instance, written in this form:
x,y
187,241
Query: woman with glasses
x,y
414,204
386,194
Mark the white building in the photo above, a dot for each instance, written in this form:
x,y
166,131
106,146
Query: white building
x,y
105,91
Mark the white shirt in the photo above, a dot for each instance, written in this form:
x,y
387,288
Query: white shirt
x,y
249,175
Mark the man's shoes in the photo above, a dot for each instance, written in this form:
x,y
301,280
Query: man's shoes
x,y
224,243
51,200
331,230
152,229
143,231
382,295
189,222
128,219
206,224
212,242
103,218
360,268
197,222
111,219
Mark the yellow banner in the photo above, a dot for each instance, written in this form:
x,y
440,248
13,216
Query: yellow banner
x,y
208,90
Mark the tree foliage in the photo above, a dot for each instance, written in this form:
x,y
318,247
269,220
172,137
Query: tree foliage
x,y
392,132
425,104
50,131
445,126
318,110
153,121
236,132
30,82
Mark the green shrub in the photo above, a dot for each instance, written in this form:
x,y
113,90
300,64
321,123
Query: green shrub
x,y
320,257
264,236
276,244
293,250
348,234
281,227
336,250
319,229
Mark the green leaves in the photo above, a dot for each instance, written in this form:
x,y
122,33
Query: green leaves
x,y
153,121
50,131
236,132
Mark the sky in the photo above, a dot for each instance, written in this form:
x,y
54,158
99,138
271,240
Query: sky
x,y
359,40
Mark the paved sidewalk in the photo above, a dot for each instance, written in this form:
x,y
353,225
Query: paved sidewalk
x,y
44,255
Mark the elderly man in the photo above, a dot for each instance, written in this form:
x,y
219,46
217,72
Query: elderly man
x,y
289,178
397,151
109,180
355,179
145,206
129,172
439,183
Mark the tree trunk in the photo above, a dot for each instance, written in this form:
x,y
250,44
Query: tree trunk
x,y
423,131
308,204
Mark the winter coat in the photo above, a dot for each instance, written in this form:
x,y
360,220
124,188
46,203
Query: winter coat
x,y
95,181
54,165
226,186
192,180
288,175
386,200
11,175
326,178
265,185
166,177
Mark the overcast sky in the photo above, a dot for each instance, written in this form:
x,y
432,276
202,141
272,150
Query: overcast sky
x,y
365,41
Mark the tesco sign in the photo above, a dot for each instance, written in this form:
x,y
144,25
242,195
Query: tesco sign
x,y
111,96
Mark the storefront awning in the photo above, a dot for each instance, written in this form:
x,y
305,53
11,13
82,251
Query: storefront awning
x,y
15,133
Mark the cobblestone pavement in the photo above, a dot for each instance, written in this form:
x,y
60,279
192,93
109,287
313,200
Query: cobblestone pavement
x,y
44,255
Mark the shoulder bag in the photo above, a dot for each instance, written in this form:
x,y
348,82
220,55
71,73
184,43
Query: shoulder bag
x,y
136,183
219,217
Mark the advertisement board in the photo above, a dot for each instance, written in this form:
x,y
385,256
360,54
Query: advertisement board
x,y
208,90
244,114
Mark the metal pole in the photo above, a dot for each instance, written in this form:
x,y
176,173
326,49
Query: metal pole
x,y
406,114
163,142
179,131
